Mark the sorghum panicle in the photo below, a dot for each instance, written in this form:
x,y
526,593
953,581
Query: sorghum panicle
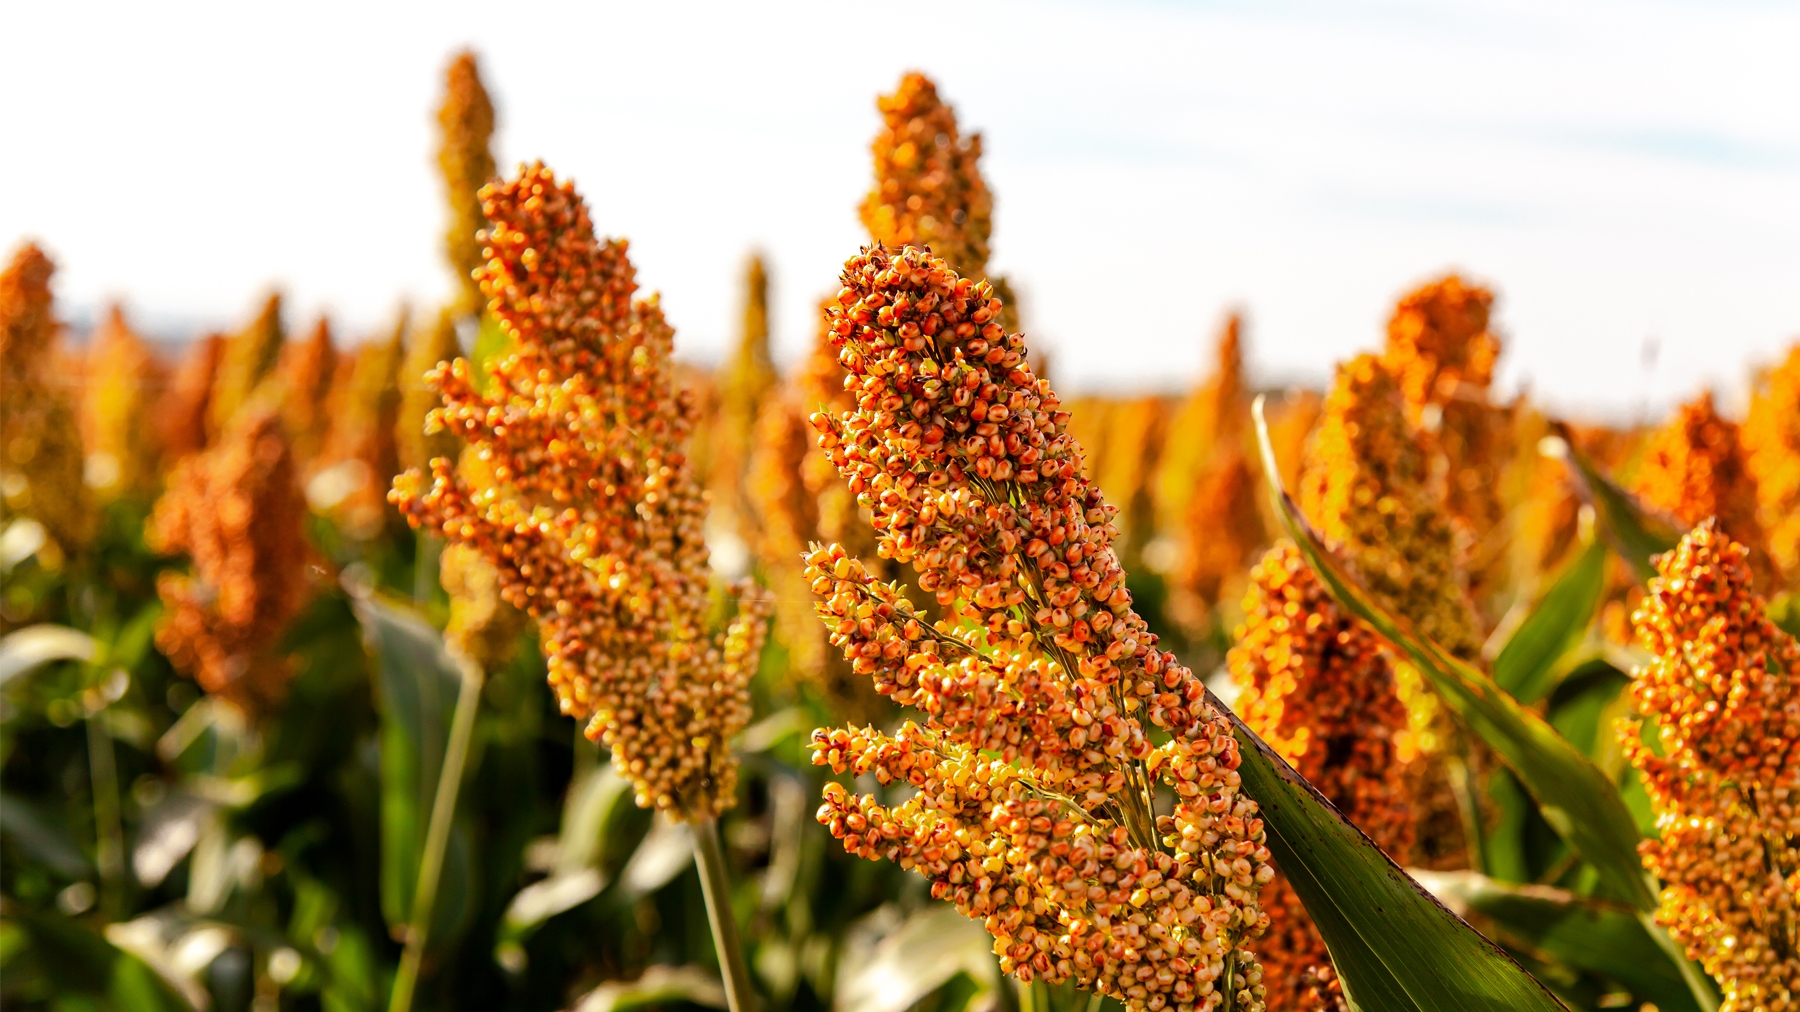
x,y
1722,695
744,386
365,415
237,511
40,444
1034,765
249,357
1694,468
929,191
306,370
124,378
1368,485
482,625
1215,413
185,407
1442,354
1771,437
465,130
580,494
1317,685
427,347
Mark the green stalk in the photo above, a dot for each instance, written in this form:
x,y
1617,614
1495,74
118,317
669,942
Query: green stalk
x,y
109,832
437,834
717,887
425,567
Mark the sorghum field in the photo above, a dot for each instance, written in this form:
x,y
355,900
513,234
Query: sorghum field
x,y
407,672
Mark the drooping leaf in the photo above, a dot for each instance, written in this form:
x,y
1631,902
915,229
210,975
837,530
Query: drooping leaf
x,y
1527,664
659,985
1597,936
24,649
1578,800
1635,531
1394,946
923,953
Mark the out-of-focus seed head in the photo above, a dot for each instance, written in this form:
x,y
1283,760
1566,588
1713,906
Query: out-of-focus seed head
x,y
1039,686
575,486
745,385
41,460
1316,684
482,625
427,347
1721,698
250,356
306,372
236,510
1772,447
1694,468
185,407
1368,484
1772,444
123,380
362,452
465,131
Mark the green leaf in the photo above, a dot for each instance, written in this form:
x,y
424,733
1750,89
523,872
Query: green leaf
x,y
893,971
43,839
1394,946
1596,936
75,961
1528,663
417,686
1636,532
1578,800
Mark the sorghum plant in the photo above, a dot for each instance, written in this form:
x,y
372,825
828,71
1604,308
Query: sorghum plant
x,y
237,511
306,371
586,503
1722,696
249,357
185,406
1039,689
465,130
1317,685
1694,468
1771,437
123,379
40,447
1368,486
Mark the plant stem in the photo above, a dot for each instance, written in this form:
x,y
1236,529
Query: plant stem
x,y
437,834
715,884
109,833
425,567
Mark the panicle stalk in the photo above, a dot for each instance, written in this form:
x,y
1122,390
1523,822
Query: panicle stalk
x,y
40,448
1695,468
1721,698
237,511
1317,685
1041,693
1771,436
581,496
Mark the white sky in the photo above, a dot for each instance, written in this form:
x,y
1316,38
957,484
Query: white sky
x,y
1621,172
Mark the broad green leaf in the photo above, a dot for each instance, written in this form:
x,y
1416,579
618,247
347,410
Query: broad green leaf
x,y
418,684
1527,664
1394,946
1636,532
1578,800
1597,936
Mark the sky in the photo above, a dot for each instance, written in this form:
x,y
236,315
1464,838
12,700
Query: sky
x,y
1626,176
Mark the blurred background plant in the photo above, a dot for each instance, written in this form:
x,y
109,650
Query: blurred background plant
x,y
229,672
